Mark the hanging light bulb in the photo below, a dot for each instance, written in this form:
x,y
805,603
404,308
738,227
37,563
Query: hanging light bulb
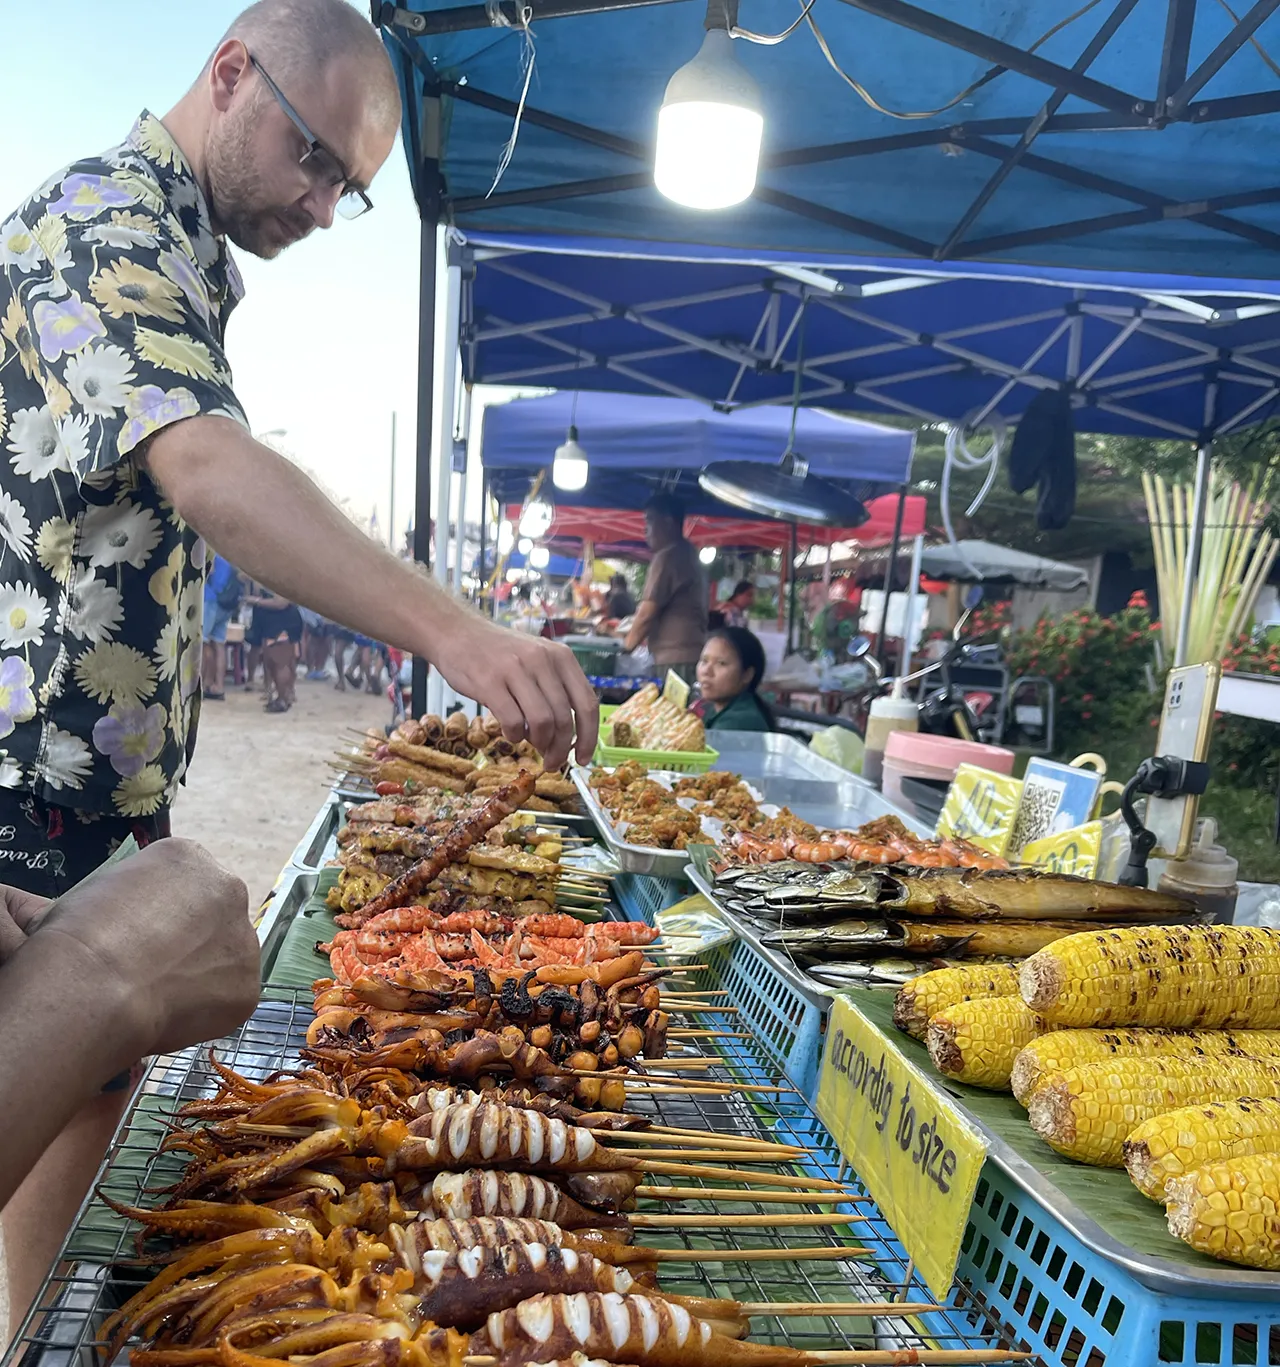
x,y
524,545
535,521
707,554
539,558
569,469
710,125
506,537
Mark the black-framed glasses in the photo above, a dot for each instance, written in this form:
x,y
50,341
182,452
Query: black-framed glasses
x,y
318,161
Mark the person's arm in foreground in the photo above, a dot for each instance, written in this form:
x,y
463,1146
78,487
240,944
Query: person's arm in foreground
x,y
153,955
264,515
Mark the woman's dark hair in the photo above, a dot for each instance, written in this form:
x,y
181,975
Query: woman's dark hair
x,y
741,587
747,646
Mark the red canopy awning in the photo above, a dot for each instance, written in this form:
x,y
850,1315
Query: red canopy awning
x,y
617,526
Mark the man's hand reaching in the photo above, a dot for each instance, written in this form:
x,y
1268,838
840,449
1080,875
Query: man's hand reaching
x,y
18,912
534,687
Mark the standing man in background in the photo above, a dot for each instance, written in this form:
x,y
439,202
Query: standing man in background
x,y
672,616
127,448
222,594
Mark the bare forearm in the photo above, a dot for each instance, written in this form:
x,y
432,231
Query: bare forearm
x,y
640,625
265,516
61,1045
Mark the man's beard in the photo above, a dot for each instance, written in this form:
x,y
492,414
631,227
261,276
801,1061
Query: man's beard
x,y
239,198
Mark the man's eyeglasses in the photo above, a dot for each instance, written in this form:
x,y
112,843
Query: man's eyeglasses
x,y
319,163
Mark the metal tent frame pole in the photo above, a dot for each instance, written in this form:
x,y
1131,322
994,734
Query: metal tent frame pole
x,y
1195,539
422,444
448,304
894,540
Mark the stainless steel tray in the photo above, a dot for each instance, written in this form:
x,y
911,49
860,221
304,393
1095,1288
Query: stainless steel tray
x,y
646,859
790,972
320,842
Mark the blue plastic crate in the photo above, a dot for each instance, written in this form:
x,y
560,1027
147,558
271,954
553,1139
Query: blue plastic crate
x,y
642,897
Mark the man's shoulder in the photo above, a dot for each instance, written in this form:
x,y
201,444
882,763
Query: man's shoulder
x,y
91,187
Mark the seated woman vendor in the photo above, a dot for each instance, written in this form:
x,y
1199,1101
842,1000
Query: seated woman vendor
x,y
729,672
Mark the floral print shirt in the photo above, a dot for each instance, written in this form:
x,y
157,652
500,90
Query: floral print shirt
x,y
114,297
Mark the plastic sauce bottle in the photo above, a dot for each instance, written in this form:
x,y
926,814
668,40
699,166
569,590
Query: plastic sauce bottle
x,y
1207,876
886,715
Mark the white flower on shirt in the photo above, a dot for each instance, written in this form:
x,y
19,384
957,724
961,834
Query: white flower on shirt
x,y
100,377
65,760
23,614
93,610
191,610
119,533
33,439
165,654
15,527
18,246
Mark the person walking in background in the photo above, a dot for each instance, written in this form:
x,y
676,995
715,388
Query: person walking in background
x,y
315,645
223,590
672,616
736,609
278,628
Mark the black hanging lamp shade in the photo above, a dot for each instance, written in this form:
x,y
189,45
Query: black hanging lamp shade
x,y
786,491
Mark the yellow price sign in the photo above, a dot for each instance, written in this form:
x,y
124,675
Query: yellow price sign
x,y
917,1154
1074,851
676,690
981,807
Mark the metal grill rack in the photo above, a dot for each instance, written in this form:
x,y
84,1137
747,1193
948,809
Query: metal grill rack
x,y
97,1272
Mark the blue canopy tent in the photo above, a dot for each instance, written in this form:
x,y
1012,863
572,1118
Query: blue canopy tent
x,y
1135,130
628,437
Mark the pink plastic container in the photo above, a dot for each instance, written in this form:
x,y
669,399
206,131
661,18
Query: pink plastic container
x,y
910,754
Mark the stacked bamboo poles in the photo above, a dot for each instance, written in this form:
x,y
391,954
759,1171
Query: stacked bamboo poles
x,y
1236,556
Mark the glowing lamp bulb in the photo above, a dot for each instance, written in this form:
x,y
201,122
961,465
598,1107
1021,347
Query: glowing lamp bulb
x,y
710,128
569,469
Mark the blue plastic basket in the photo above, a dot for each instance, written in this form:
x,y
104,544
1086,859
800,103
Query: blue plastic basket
x,y
1066,1301
642,896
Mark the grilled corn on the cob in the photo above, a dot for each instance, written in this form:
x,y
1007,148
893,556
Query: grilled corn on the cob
x,y
977,1041
1230,1210
1060,1049
1175,976
1168,1145
924,996
1089,1111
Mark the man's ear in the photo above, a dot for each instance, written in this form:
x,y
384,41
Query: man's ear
x,y
228,68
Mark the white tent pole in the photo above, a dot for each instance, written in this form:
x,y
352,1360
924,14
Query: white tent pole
x,y
913,592
1194,542
448,301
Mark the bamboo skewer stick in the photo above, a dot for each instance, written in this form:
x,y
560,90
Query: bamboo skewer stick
x,y
871,1357
889,1309
666,1134
709,1034
765,1179
723,1155
710,1222
823,1254
702,1091
813,1198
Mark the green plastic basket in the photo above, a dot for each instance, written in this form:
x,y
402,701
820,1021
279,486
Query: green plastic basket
x,y
678,761
594,659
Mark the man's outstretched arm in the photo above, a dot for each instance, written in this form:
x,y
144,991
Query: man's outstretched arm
x,y
265,516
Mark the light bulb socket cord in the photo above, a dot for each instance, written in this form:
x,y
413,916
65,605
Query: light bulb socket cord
x,y
721,14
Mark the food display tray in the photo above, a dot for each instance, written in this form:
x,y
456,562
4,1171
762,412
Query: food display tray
x,y
787,969
1073,1292
96,1269
631,858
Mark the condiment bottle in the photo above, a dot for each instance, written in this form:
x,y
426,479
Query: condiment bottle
x,y
1207,876
885,716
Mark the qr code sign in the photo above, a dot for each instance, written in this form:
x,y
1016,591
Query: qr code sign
x,y
1041,798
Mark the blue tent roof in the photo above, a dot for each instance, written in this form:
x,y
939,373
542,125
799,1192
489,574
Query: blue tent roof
x,y
1143,354
629,436
1132,131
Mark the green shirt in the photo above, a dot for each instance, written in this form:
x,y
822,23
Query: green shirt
x,y
744,713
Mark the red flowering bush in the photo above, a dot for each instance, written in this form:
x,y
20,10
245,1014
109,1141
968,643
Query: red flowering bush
x,y
1248,750
1098,666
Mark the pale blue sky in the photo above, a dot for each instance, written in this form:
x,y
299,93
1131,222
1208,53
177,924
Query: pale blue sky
x,y
325,342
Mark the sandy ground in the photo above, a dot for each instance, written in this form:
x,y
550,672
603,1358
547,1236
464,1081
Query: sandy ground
x,y
258,779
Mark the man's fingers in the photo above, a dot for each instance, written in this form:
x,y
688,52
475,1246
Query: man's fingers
x,y
547,713
503,706
11,938
586,706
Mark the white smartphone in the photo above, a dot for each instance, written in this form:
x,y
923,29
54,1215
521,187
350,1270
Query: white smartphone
x,y
1186,725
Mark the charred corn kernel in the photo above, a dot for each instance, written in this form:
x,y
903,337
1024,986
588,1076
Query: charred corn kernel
x,y
1087,1112
1230,1210
920,998
1060,1049
1168,1145
977,1041
1174,976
